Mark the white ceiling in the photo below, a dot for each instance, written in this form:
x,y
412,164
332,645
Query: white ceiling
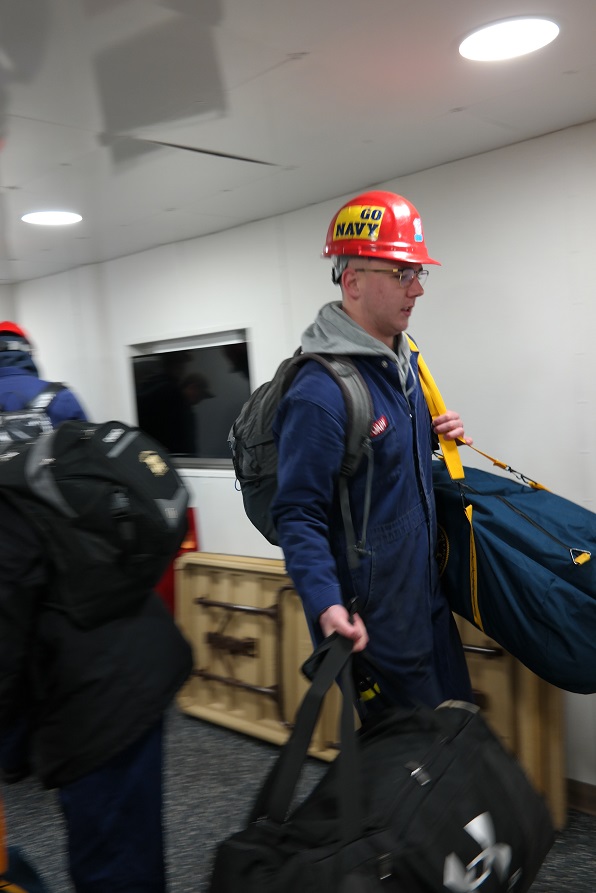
x,y
162,120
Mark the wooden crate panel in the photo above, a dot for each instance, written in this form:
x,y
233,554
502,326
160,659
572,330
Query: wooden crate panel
x,y
249,637
524,711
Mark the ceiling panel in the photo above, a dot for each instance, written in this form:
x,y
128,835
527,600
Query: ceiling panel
x,y
162,120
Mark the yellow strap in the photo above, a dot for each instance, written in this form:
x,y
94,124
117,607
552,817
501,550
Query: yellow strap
x,y
449,448
436,406
473,572
534,484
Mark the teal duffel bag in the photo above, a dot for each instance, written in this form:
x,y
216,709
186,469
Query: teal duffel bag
x,y
515,562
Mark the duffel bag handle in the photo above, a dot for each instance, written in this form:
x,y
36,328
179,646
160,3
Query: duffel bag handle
x,y
276,794
506,467
449,448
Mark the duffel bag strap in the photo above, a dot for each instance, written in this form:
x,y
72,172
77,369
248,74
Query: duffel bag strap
x,y
499,464
276,795
436,406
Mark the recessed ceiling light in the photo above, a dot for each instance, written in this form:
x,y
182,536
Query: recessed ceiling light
x,y
508,39
51,218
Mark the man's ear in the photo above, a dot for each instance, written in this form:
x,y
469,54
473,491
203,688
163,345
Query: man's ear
x,y
350,283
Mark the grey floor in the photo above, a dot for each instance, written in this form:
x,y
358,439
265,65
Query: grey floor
x,y
212,776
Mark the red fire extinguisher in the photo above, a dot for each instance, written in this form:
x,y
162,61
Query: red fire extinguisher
x,y
190,543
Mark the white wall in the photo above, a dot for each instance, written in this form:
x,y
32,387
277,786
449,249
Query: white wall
x,y
7,302
505,324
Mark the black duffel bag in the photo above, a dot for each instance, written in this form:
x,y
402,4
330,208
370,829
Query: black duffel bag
x,y
419,801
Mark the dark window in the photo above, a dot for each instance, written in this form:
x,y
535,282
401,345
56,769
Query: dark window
x,y
187,398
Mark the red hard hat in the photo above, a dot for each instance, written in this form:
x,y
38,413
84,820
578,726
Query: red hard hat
x,y
378,224
12,327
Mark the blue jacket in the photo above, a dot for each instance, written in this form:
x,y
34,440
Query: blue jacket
x,y
18,385
397,586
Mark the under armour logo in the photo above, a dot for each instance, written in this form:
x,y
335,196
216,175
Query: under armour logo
x,y
495,857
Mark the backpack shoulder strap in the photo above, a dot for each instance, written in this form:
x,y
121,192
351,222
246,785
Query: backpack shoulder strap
x,y
42,400
357,399
360,414
359,409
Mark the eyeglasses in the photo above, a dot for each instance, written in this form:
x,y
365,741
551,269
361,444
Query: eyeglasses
x,y
405,277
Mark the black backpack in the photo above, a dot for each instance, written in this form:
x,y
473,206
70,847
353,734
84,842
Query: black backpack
x,y
255,455
110,508
30,421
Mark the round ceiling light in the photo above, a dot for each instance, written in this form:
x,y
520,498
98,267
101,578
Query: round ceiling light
x,y
508,39
51,218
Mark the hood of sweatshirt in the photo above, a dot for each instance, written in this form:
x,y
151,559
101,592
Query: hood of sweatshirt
x,y
333,331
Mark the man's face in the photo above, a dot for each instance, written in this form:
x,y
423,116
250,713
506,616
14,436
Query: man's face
x,y
385,303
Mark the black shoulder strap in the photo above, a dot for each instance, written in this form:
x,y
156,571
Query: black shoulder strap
x,y
45,396
360,415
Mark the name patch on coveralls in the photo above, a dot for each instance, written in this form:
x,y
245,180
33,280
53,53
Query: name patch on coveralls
x,y
358,222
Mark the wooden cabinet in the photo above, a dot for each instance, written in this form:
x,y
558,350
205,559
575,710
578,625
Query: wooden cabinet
x,y
249,637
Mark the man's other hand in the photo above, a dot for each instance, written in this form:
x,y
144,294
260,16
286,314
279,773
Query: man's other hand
x,y
450,426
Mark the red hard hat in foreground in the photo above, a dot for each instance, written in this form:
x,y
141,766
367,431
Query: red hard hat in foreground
x,y
378,224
